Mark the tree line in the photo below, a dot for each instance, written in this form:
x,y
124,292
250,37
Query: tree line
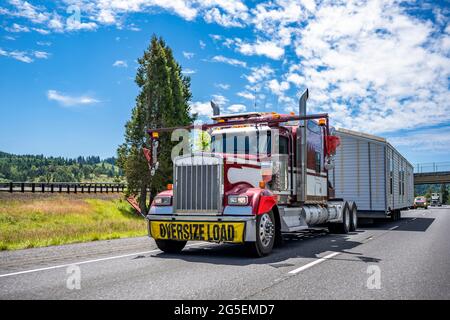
x,y
39,168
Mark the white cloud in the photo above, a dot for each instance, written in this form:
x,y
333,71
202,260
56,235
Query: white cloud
x,y
74,25
278,88
120,64
24,56
219,99
24,9
41,31
269,49
230,61
202,44
201,108
188,71
296,79
44,43
17,55
235,108
215,37
373,67
41,54
188,55
428,140
246,95
69,101
259,73
224,86
55,23
17,28
226,20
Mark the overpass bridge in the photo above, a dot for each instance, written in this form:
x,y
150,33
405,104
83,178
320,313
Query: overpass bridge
x,y
432,173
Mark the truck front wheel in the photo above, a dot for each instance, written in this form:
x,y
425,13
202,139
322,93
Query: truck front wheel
x,y
170,246
265,235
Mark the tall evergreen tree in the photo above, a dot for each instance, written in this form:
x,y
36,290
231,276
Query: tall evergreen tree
x,y
163,101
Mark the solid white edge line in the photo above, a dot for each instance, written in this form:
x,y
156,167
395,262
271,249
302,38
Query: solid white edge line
x,y
90,261
393,228
309,265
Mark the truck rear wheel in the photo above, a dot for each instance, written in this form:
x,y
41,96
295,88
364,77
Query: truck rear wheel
x,y
344,226
265,235
170,246
354,219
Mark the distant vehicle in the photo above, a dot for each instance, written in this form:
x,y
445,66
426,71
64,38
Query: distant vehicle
x,y
420,202
436,199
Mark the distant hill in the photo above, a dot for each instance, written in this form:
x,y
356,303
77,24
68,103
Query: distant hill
x,y
38,168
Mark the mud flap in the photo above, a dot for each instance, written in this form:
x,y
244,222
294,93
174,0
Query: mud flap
x,y
133,202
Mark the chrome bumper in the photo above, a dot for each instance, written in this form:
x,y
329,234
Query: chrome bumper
x,y
250,221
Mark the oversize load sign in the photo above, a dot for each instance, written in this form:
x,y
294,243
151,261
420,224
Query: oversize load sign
x,y
201,231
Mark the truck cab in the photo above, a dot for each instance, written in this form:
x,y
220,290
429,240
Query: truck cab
x,y
264,174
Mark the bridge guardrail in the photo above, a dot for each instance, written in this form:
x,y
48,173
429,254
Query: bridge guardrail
x,y
432,167
62,187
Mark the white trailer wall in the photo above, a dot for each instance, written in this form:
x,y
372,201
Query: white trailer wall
x,y
359,173
401,194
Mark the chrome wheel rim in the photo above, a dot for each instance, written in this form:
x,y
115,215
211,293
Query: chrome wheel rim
x,y
347,219
266,230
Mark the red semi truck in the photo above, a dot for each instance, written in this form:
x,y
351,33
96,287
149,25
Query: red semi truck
x,y
265,174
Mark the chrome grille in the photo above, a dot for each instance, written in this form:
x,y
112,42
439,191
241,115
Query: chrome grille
x,y
197,188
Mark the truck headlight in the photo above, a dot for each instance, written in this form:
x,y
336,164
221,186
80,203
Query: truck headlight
x,y
162,201
237,200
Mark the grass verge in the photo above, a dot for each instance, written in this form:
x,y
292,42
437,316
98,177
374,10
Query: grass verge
x,y
38,221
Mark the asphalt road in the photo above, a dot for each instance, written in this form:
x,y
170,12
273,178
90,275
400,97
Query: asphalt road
x,y
406,259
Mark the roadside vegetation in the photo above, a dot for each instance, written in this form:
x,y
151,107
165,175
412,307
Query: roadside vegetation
x,y
28,221
38,168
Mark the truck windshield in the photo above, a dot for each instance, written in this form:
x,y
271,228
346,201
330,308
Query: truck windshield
x,y
242,143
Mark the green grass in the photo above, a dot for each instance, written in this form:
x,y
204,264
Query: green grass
x,y
28,222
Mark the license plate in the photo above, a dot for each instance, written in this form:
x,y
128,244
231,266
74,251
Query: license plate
x,y
200,231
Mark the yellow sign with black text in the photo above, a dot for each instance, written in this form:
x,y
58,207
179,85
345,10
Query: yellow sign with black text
x,y
199,231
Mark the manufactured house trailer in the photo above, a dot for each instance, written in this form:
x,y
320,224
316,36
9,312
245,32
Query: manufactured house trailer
x,y
372,173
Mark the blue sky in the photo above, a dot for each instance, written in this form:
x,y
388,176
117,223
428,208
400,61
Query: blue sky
x,y
382,67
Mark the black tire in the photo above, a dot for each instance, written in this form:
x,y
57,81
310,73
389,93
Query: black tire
x,y
354,218
170,246
262,247
395,215
344,226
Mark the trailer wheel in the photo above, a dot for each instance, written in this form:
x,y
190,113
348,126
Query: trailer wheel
x,y
396,215
354,219
170,246
265,235
344,226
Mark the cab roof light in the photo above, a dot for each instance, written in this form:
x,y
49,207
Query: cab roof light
x,y
322,122
155,135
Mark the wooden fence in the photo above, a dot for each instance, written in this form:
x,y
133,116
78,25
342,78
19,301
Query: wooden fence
x,y
60,187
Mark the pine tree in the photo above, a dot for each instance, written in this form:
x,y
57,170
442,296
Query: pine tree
x,y
163,101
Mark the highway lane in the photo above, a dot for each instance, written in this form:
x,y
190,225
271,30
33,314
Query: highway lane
x,y
409,258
